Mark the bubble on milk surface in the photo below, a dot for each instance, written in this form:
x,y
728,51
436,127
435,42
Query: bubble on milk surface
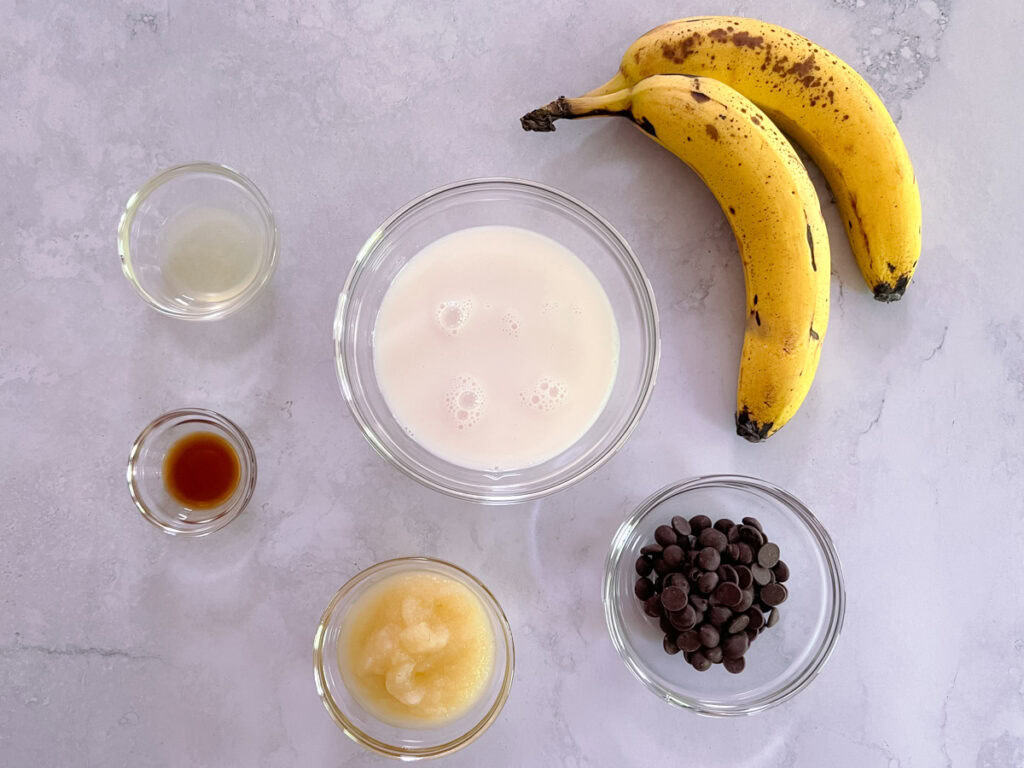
x,y
465,401
510,324
548,394
453,315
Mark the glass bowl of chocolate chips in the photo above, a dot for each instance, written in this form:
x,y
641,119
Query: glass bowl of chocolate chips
x,y
723,595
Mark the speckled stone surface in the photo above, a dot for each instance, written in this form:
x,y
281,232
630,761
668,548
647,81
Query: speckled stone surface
x,y
120,646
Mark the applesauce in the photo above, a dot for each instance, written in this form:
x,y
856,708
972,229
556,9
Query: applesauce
x,y
417,649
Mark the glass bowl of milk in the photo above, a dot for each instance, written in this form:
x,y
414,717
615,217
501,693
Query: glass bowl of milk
x,y
496,340
198,241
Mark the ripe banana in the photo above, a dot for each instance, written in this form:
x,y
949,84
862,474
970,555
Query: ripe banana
x,y
823,104
771,204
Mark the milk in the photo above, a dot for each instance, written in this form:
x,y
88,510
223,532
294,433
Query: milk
x,y
495,348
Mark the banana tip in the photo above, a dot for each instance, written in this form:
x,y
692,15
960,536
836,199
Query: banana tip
x,y
750,429
889,292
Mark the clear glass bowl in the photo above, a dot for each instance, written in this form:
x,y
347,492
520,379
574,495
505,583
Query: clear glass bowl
x,y
404,742
786,657
146,481
531,206
190,195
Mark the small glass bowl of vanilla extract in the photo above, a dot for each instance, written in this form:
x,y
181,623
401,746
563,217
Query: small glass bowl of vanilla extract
x,y
191,472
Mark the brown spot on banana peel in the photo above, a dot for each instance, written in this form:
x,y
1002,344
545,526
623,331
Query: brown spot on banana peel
x,y
680,51
860,223
646,125
746,40
699,97
814,334
712,132
810,244
749,429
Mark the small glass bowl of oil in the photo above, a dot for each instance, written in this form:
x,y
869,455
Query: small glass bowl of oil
x,y
191,472
198,241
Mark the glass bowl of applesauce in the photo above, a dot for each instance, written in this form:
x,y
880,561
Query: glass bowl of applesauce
x,y
496,340
413,658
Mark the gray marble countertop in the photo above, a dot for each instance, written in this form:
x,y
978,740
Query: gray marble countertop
x,y
120,646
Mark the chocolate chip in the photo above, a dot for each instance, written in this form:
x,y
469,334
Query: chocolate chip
x,y
660,566
714,655
673,599
719,614
673,556
756,618
651,549
733,552
744,578
751,634
694,573
746,554
670,646
761,574
773,618
652,606
734,665
710,537
774,594
699,522
753,522
689,640
709,559
735,646
724,524
738,624
728,573
707,582
749,535
681,525
666,626
768,555
746,600
643,566
709,636
684,619
728,594
678,580
664,535
733,534
699,603
781,571
643,588
691,541
700,662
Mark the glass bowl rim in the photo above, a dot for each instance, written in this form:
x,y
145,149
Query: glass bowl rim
x,y
644,298
824,546
131,208
247,457
362,738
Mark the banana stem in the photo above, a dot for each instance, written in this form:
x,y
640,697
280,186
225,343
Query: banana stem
x,y
543,119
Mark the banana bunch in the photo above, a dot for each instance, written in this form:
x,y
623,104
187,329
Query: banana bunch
x,y
715,92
